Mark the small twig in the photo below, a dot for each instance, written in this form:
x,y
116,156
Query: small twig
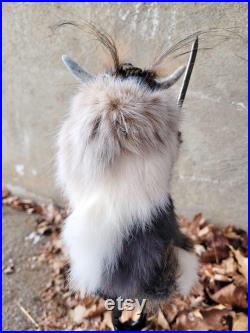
x,y
28,316
215,252
188,73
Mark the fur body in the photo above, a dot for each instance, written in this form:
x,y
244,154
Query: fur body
x,y
116,151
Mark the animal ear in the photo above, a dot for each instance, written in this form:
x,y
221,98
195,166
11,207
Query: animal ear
x,y
76,70
172,78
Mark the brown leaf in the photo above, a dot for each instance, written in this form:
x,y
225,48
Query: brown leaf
x,y
198,220
89,300
240,281
216,317
192,228
237,238
228,266
190,321
222,278
240,322
204,319
214,255
171,308
162,321
107,321
242,262
170,311
230,295
77,314
95,310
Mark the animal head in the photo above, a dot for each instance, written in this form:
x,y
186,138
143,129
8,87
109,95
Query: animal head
x,y
125,112
117,114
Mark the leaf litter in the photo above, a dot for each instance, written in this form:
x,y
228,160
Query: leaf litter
x,y
217,302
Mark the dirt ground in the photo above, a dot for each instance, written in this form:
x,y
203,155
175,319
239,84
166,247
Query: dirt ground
x,y
22,287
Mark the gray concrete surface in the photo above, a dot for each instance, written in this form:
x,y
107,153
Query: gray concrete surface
x,y
24,285
211,175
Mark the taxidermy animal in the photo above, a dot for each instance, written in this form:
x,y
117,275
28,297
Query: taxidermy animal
x,y
116,150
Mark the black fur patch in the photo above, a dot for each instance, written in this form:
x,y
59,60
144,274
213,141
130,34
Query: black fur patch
x,y
147,265
147,77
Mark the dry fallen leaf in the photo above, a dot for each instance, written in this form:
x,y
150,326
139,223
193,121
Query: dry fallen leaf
x,y
229,266
240,322
189,321
95,310
242,263
231,295
107,321
162,321
240,281
77,314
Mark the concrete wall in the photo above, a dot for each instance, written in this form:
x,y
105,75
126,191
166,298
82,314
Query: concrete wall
x,y
211,175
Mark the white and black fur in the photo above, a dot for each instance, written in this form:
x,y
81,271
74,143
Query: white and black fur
x,y
116,151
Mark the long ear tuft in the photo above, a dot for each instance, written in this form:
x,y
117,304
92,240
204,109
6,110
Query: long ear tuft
x,y
75,69
100,35
173,78
107,41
